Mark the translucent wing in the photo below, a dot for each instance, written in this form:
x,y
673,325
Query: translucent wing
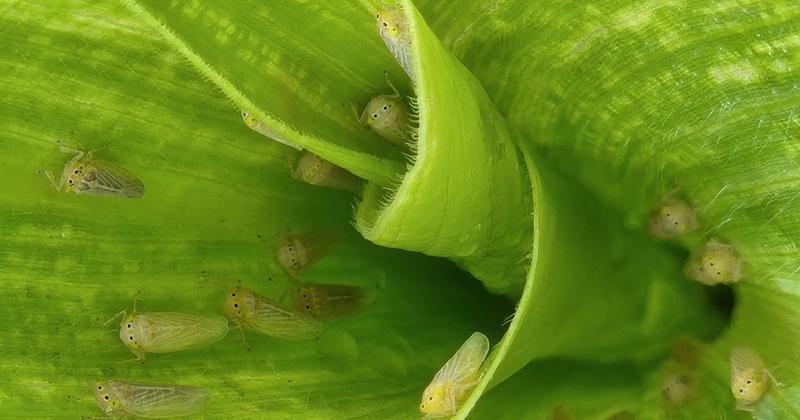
x,y
104,179
456,378
463,367
175,331
159,401
744,359
272,319
400,48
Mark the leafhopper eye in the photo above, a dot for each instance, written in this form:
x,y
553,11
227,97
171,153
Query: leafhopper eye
x,y
249,121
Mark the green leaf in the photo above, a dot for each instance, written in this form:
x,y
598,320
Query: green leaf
x,y
582,390
636,99
466,195
459,134
217,196
571,259
535,165
272,62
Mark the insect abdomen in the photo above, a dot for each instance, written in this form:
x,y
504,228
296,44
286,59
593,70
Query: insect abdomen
x,y
103,179
274,320
179,331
